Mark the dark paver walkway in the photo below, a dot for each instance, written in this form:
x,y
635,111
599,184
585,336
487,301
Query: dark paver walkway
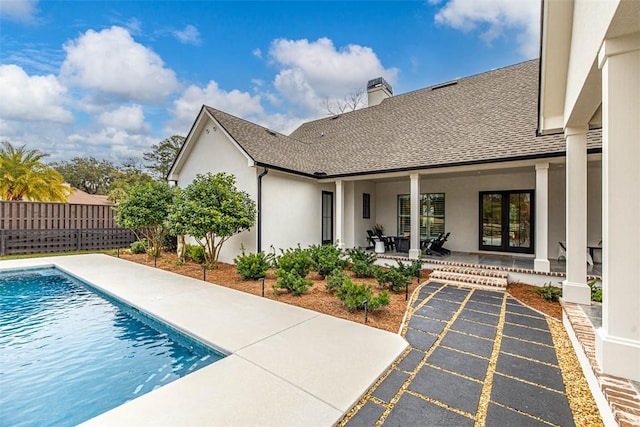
x,y
477,358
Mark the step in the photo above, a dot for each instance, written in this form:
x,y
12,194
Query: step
x,y
468,285
470,278
474,271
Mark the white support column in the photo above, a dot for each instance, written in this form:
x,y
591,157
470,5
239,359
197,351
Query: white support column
x,y
618,340
340,213
575,288
414,251
541,263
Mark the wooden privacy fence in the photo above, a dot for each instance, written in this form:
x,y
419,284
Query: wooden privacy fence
x,y
55,216
32,227
39,241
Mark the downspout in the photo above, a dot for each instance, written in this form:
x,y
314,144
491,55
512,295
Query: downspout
x,y
264,172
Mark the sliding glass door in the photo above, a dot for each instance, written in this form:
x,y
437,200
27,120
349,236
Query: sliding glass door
x,y
506,221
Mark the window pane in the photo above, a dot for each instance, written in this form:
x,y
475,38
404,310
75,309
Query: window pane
x,y
431,214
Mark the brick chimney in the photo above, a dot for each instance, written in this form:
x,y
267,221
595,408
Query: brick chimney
x,y
378,90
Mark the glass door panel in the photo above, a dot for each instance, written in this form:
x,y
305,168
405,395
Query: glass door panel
x,y
492,219
520,220
506,221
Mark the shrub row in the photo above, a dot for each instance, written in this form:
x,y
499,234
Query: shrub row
x,y
293,266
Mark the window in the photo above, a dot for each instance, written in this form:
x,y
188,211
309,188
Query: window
x,y
366,205
506,221
431,215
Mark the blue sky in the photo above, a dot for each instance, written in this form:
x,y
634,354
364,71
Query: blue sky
x,y
110,78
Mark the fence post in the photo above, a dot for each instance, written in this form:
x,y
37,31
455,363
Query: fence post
x,y
2,244
77,239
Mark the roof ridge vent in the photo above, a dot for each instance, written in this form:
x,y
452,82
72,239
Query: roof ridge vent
x,y
443,85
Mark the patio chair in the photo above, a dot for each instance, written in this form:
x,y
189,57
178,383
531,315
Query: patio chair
x,y
562,251
436,246
372,238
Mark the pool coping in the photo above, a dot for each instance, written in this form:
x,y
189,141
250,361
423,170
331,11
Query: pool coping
x,y
285,365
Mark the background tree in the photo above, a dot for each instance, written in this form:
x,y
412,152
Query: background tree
x,y
87,174
350,102
23,176
144,210
211,210
160,159
126,175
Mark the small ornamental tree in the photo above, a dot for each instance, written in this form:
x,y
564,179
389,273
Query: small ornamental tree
x,y
144,210
211,210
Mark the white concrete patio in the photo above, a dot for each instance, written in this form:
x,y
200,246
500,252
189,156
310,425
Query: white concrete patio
x,y
285,365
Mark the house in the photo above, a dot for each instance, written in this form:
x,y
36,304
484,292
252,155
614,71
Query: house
x,y
80,197
462,157
590,78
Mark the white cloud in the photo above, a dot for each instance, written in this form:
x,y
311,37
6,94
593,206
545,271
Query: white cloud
x,y
190,35
493,17
22,11
127,118
115,65
257,53
31,98
186,108
111,143
314,71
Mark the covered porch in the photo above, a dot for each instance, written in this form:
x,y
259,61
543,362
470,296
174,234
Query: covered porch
x,y
508,214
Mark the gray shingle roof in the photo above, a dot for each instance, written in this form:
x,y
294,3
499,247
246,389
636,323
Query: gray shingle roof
x,y
482,118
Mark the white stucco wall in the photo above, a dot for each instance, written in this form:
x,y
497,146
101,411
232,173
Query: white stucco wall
x,y
291,212
214,152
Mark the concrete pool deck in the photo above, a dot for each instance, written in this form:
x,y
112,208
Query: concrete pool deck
x,y
285,365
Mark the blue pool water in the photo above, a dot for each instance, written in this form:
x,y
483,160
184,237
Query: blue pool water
x,y
68,354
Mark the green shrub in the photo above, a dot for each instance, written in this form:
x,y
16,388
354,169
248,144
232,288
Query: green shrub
x,y
353,296
297,261
253,266
360,255
596,291
410,270
326,258
291,282
195,253
363,269
139,247
549,292
393,277
336,279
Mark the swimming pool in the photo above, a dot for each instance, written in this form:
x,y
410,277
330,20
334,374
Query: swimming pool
x,y
69,353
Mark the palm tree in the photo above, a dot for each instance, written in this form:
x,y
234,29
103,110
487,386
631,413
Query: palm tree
x,y
23,176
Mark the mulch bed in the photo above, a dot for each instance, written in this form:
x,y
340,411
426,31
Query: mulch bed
x,y
317,298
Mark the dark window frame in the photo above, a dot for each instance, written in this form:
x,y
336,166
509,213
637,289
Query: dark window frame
x,y
366,206
322,218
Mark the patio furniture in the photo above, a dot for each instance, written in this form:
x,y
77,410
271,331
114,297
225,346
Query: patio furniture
x,y
372,238
562,252
402,243
436,246
389,242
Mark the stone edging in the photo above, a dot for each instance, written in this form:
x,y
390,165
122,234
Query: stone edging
x,y
623,398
